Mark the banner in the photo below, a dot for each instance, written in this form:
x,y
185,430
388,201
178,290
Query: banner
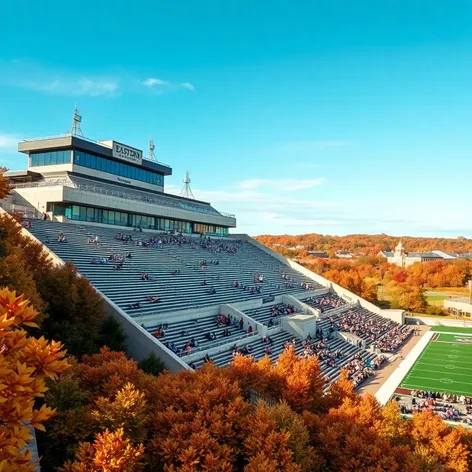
x,y
127,153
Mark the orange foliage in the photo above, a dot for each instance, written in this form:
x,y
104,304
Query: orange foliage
x,y
297,381
25,363
5,188
365,244
110,452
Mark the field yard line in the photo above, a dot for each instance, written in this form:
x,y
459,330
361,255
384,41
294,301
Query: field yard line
x,y
464,361
439,380
447,372
455,334
444,365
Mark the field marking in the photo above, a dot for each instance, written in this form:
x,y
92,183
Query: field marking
x,y
440,361
436,379
451,367
459,374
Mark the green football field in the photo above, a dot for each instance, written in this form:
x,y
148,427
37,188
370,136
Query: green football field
x,y
445,365
447,329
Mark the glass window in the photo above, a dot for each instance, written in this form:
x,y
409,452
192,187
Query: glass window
x,y
53,158
97,215
89,214
75,212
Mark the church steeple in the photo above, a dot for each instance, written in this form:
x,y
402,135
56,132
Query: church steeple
x,y
399,250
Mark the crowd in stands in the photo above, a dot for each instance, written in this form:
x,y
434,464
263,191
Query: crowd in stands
x,y
322,350
358,371
391,341
446,397
355,322
242,286
282,310
228,322
448,406
326,302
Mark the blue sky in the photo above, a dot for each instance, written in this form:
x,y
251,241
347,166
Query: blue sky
x,y
333,117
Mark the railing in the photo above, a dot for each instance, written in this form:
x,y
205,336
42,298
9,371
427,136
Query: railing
x,y
165,201
229,215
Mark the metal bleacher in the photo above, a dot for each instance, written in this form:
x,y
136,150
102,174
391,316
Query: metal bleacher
x,y
183,282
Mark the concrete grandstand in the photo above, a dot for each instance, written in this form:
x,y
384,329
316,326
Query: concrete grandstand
x,y
170,272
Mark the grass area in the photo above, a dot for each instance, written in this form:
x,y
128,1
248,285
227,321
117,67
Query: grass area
x,y
445,365
451,329
465,338
435,298
456,290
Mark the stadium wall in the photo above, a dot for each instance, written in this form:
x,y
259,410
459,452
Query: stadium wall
x,y
394,315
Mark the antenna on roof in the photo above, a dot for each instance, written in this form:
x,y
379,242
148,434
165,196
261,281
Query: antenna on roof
x,y
187,191
75,129
152,157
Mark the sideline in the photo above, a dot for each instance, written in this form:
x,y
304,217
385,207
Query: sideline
x,y
388,388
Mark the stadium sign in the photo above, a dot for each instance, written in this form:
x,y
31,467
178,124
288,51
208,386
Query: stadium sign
x,y
127,153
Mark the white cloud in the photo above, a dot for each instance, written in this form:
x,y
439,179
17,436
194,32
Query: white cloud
x,y
152,81
33,76
260,210
188,86
71,86
284,185
163,86
8,142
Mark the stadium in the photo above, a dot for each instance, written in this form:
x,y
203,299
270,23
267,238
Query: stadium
x,y
186,289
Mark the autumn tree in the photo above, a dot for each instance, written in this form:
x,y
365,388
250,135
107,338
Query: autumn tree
x,y
198,422
126,411
109,452
97,378
265,447
76,315
339,390
25,364
5,187
17,258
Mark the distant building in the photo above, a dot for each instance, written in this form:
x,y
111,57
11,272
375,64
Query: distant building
x,y
344,255
320,254
459,307
402,258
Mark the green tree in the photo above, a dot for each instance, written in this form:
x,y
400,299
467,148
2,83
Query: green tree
x,y
152,365
75,309
111,334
